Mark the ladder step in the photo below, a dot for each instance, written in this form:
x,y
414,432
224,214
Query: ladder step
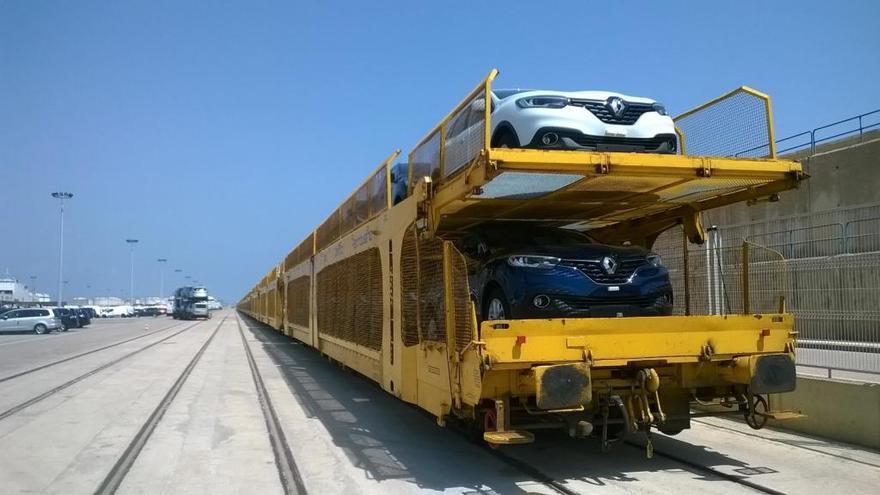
x,y
508,437
783,415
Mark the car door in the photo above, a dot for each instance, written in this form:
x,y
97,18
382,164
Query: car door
x,y
15,321
8,320
29,318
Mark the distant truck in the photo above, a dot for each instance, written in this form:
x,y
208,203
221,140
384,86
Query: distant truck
x,y
190,303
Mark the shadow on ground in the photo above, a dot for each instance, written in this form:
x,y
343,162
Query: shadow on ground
x,y
390,439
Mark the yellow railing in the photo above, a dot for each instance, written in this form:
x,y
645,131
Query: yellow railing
x,y
462,135
367,201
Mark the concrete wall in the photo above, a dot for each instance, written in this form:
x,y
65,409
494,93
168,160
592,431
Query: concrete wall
x,y
839,410
841,177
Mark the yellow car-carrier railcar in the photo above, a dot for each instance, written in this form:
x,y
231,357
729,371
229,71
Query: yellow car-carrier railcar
x,y
383,289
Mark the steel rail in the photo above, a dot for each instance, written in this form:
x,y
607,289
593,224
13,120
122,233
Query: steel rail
x,y
117,473
738,479
785,442
15,409
291,479
86,353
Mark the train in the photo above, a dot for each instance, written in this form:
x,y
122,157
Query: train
x,y
383,287
190,303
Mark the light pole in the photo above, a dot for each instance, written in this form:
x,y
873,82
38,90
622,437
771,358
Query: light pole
x,y
161,262
61,196
131,243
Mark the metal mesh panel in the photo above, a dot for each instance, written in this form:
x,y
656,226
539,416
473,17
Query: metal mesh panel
x,y
422,289
379,191
328,231
300,253
465,135
409,287
350,299
461,297
432,302
424,161
362,205
737,124
298,301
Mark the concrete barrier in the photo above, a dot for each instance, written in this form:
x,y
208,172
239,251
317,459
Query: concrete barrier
x,y
845,411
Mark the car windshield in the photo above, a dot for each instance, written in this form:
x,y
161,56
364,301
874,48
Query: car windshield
x,y
504,93
517,235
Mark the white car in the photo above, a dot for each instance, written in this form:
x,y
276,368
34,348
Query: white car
x,y
576,120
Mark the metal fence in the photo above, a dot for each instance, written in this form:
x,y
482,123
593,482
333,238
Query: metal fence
x,y
825,267
809,140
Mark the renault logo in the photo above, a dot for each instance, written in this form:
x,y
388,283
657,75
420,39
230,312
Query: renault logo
x,y
609,264
616,105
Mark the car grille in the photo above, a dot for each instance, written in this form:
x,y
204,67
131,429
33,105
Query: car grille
x,y
593,269
585,303
629,117
647,144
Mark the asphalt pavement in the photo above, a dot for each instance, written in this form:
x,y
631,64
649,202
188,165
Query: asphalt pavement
x,y
153,405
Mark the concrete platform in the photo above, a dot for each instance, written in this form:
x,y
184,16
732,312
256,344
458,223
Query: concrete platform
x,y
344,434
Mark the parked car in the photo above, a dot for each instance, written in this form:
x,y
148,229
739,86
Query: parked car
x,y
37,320
572,120
69,318
519,271
84,315
399,181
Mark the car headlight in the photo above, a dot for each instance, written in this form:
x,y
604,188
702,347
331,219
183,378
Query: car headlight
x,y
528,261
655,260
542,102
660,108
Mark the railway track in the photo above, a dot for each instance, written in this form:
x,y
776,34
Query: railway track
x,y
291,480
117,473
739,480
288,473
86,353
49,393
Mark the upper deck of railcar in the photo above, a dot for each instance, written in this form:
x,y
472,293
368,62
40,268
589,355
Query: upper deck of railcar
x,y
726,155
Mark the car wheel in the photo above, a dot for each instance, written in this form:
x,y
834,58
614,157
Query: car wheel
x,y
63,327
506,140
497,307
40,329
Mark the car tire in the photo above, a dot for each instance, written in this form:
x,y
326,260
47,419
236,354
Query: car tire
x,y
40,329
506,140
496,307
63,327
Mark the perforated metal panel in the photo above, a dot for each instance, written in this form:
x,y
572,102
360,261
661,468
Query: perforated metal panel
x,y
298,300
464,328
738,124
350,299
409,287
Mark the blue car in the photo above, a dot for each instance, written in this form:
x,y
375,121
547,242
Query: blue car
x,y
519,271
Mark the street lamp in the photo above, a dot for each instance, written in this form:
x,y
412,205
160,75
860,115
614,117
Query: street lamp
x,y
61,196
131,243
161,262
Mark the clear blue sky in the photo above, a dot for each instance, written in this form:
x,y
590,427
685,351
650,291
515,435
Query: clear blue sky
x,y
219,133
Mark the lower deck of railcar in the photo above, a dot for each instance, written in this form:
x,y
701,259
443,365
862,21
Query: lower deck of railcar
x,y
343,433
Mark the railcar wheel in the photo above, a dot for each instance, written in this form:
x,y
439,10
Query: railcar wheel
x,y
755,417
